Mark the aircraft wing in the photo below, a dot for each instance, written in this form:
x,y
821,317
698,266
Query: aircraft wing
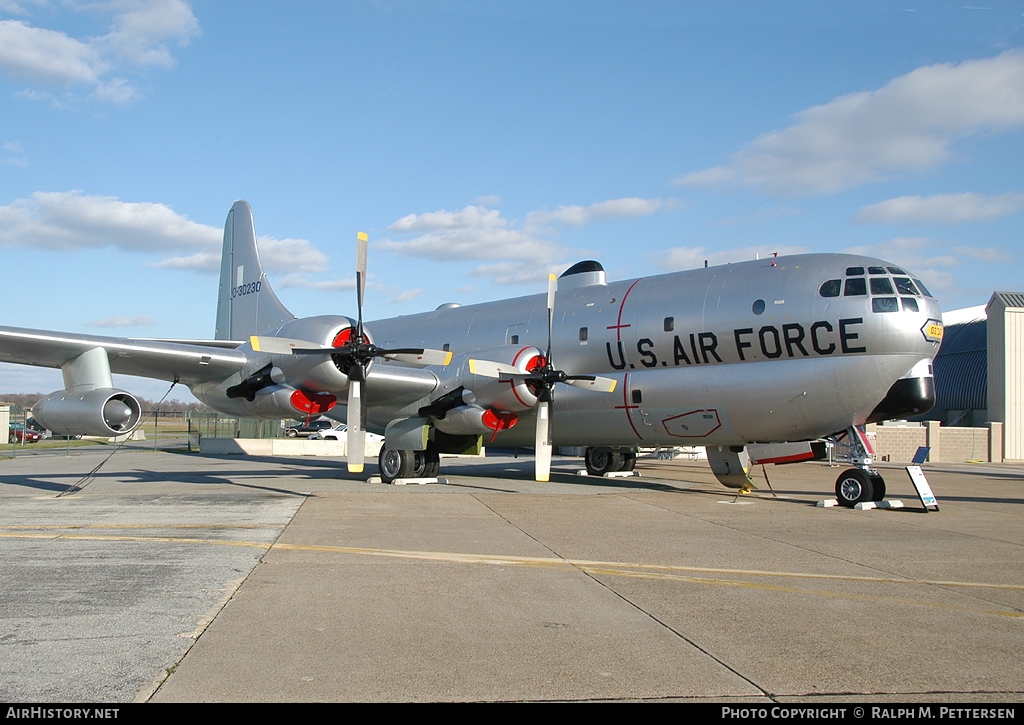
x,y
187,363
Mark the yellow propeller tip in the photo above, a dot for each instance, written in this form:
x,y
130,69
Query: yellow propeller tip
x,y
361,236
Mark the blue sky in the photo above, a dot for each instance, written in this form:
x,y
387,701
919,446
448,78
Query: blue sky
x,y
482,145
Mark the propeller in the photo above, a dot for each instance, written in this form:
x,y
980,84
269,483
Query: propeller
x,y
352,356
543,380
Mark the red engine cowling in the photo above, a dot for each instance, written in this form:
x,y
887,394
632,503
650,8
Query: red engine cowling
x,y
96,412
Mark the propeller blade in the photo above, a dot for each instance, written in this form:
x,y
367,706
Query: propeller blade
x,y
284,346
552,285
361,244
592,382
354,418
491,369
419,357
542,448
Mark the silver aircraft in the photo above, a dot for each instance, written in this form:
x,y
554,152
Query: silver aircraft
x,y
756,361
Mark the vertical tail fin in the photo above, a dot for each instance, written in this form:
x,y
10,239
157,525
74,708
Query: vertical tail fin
x,y
246,305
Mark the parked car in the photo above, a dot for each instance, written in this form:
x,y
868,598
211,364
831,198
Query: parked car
x,y
340,433
18,434
303,428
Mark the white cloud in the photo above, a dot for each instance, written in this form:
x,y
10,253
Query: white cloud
x,y
577,216
680,258
70,221
141,32
984,254
133,321
15,154
326,285
907,126
407,295
472,217
514,256
475,233
940,209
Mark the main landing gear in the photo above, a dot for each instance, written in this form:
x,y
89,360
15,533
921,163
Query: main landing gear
x,y
396,464
863,483
609,460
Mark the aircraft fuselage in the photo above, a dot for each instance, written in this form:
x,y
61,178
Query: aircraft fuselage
x,y
739,353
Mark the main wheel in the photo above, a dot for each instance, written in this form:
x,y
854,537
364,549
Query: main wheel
x,y
433,461
853,487
602,460
394,464
628,459
878,488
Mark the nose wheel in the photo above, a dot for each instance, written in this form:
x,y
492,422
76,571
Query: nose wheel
x,y
856,486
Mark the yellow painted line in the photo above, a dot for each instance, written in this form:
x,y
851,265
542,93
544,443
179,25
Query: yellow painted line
x,y
648,571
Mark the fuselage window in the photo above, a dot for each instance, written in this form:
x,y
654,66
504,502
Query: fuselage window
x,y
881,286
758,307
584,332
515,339
637,397
854,271
670,324
855,287
904,286
446,347
884,304
909,304
876,270
831,288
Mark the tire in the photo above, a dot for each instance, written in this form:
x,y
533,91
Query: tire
x,y
878,488
292,433
854,486
433,461
602,460
628,459
394,464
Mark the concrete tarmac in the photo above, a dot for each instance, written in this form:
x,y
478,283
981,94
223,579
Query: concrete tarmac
x,y
171,577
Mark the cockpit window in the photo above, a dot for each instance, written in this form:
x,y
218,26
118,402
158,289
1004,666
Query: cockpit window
x,y
831,288
909,304
896,270
876,270
856,287
881,286
924,290
854,271
904,286
884,304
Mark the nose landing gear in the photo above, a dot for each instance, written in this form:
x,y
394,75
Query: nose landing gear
x,y
863,483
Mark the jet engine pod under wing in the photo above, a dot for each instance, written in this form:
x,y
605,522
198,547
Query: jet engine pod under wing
x,y
97,412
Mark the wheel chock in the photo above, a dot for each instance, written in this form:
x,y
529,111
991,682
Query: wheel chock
x,y
864,505
408,481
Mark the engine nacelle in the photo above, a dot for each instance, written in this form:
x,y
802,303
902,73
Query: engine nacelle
x,y
315,372
96,412
513,395
474,420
